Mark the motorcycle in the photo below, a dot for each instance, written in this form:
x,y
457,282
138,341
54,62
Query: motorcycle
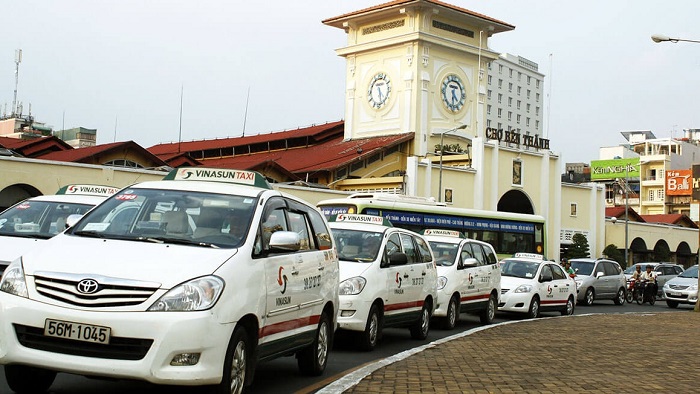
x,y
631,294
645,293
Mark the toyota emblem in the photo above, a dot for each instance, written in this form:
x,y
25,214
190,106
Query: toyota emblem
x,y
87,286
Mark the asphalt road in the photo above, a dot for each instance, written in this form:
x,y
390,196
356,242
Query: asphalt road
x,y
282,376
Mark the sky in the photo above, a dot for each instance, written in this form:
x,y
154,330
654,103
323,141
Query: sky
x,y
126,68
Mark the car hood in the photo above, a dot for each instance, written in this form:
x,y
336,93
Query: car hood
x,y
351,269
13,247
511,282
166,264
682,281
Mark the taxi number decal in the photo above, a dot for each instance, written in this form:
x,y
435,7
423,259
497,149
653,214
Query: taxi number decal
x,y
417,281
311,282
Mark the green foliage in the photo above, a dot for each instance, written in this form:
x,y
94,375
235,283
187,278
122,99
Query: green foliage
x,y
662,252
614,253
579,248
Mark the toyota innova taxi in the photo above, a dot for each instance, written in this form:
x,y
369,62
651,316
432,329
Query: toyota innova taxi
x,y
387,278
211,272
27,224
469,277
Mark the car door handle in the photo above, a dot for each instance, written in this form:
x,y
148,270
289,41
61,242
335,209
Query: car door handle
x,y
295,271
320,268
405,276
424,273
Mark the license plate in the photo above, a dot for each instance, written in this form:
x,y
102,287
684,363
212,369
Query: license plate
x,y
77,331
671,294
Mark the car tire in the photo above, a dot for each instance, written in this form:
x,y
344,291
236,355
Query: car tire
x,y
312,361
488,314
620,299
589,297
569,308
24,379
419,329
534,310
369,338
672,304
236,368
450,321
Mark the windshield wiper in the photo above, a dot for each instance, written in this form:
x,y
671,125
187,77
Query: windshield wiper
x,y
93,234
178,241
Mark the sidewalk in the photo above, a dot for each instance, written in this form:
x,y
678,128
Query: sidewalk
x,y
586,353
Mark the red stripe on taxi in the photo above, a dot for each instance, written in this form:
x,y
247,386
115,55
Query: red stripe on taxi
x,y
403,305
288,325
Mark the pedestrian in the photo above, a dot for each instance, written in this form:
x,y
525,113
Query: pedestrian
x,y
567,267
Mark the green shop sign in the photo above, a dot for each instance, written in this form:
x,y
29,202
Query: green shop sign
x,y
616,168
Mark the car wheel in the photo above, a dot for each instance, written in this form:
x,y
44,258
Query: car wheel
x,y
236,368
312,360
25,379
450,321
534,310
419,329
488,314
672,304
620,299
373,329
589,297
569,308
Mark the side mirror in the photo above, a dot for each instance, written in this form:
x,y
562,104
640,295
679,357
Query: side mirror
x,y
599,274
398,258
71,220
469,263
285,240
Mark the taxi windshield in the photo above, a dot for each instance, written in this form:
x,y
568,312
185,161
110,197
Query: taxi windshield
x,y
171,216
444,253
359,246
519,268
38,219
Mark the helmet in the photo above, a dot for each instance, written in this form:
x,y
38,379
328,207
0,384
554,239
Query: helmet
x,y
649,267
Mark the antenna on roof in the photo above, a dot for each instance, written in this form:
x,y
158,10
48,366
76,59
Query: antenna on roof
x,y
179,138
116,118
18,60
245,115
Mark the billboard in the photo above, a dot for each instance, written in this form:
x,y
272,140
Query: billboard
x,y
678,182
615,168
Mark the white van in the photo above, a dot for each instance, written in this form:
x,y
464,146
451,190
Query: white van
x,y
387,278
27,224
212,272
469,277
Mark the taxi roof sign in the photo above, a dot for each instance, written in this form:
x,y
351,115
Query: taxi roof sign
x,y
442,233
357,218
529,255
225,175
88,190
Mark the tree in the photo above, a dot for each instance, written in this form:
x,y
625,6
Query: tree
x,y
614,253
579,248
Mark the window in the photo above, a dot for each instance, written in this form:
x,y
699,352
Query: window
x,y
527,122
517,172
537,124
410,249
488,109
488,122
500,83
528,79
528,93
517,118
500,112
510,101
537,83
537,97
557,272
297,223
520,76
527,107
537,111
424,250
488,94
500,68
500,98
478,254
510,116
519,89
573,207
651,195
518,104
510,86
660,194
510,73
489,80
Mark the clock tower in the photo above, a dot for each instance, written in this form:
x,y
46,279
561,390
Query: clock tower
x,y
416,66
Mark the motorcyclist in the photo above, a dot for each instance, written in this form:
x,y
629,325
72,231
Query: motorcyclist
x,y
637,272
650,278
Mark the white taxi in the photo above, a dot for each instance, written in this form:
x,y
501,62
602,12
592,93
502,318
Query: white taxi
x,y
531,285
211,272
469,278
27,224
387,278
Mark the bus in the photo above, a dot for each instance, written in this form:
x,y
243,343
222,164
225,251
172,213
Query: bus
x,y
507,232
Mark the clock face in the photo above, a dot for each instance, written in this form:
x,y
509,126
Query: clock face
x,y
379,90
453,93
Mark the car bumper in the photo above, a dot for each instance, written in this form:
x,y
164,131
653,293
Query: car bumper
x,y
353,313
515,302
172,333
681,296
443,300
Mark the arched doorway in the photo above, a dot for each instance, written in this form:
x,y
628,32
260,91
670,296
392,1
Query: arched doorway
x,y
15,193
684,256
516,201
639,251
661,251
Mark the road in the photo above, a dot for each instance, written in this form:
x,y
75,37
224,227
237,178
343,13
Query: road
x,y
281,376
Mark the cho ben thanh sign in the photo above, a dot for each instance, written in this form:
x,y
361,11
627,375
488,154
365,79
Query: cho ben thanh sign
x,y
616,168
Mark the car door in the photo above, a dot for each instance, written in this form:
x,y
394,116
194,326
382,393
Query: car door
x,y
414,275
397,291
601,283
468,289
561,283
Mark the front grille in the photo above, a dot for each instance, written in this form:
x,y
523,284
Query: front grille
x,y
504,291
117,349
678,287
110,294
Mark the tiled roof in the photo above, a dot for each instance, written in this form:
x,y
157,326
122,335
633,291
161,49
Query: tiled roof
x,y
35,147
619,213
83,155
407,2
670,218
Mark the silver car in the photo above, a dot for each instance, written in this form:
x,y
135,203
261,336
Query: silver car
x,y
599,279
683,289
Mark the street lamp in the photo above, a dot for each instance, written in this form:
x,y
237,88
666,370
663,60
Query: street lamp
x,y
661,38
442,151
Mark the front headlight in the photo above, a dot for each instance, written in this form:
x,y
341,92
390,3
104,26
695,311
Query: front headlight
x,y
694,286
523,289
13,281
352,286
196,295
442,282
